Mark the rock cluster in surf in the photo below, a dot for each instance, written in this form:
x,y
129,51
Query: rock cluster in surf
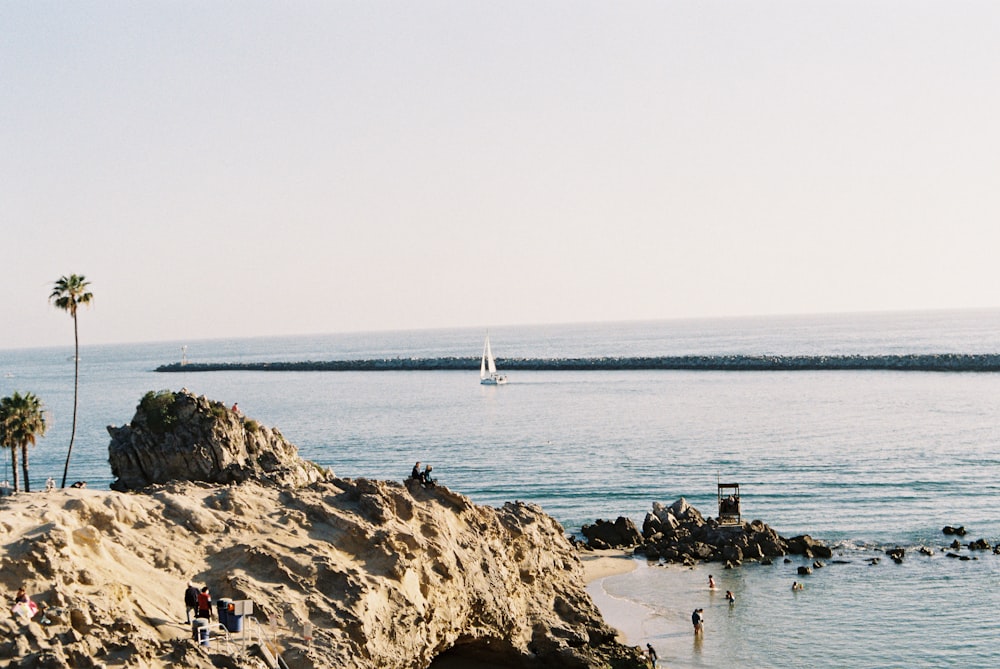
x,y
679,533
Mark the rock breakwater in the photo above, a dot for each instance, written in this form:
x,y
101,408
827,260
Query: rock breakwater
x,y
930,362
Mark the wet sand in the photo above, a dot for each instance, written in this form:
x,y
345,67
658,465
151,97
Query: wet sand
x,y
610,562
620,614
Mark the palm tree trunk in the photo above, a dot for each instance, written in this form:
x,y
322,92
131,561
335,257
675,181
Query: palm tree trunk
x,y
24,466
13,455
76,389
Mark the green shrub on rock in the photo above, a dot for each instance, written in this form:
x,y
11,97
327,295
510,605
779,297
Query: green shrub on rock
x,y
158,407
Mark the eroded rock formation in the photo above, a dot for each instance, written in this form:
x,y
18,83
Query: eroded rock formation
x,y
176,436
389,575
356,574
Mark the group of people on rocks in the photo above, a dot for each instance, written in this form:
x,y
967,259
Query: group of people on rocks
x,y
423,475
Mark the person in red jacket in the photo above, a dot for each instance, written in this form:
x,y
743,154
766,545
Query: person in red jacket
x,y
204,603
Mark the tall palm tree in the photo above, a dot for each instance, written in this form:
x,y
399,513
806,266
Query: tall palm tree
x,y
70,292
22,421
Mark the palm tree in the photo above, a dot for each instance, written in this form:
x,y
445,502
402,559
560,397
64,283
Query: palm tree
x,y
68,293
22,421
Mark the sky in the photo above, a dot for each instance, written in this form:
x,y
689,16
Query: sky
x,y
226,169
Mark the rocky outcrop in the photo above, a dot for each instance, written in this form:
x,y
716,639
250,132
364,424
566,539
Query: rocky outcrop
x,y
387,575
679,533
175,436
356,574
604,534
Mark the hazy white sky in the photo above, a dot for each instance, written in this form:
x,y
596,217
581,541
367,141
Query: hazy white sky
x,y
235,169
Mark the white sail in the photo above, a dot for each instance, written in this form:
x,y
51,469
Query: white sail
x,y
491,364
488,367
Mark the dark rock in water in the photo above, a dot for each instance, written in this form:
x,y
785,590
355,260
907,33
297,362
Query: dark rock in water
x,y
956,544
896,554
180,437
980,545
960,530
925,551
620,534
805,571
818,565
809,547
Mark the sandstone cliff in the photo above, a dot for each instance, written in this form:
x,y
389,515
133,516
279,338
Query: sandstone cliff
x,y
384,574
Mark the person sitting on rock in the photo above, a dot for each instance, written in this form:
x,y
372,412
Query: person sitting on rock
x,y
425,477
415,474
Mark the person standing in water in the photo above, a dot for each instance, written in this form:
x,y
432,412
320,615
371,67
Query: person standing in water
x,y
711,582
698,620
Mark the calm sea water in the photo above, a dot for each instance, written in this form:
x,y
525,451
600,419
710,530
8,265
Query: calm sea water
x,y
862,460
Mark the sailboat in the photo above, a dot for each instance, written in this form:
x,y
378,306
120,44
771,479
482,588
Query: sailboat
x,y
488,375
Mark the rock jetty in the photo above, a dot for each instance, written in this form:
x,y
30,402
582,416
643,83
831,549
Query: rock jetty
x,y
359,574
922,362
679,533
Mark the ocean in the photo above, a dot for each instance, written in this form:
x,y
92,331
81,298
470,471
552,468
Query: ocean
x,y
862,460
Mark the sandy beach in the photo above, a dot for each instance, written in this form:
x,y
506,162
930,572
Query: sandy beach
x,y
604,563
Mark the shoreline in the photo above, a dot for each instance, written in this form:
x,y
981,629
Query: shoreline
x,y
599,565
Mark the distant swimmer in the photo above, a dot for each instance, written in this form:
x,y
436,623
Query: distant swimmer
x,y
796,585
711,582
730,597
